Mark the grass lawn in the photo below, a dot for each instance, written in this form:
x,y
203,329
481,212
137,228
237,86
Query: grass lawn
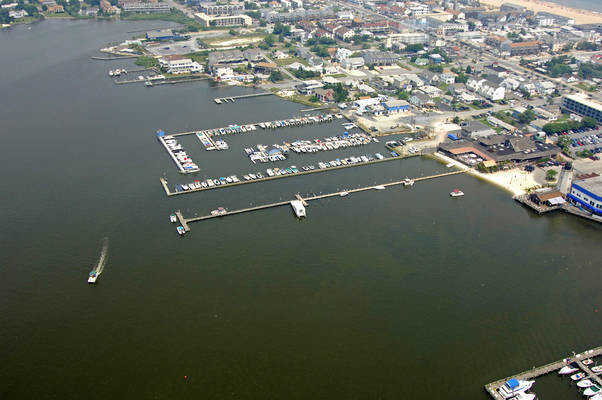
x,y
290,60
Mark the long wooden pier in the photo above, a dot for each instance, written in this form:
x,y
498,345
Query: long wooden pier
x,y
186,221
492,388
222,100
168,192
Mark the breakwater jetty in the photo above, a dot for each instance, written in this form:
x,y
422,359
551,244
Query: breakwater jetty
x,y
493,387
185,222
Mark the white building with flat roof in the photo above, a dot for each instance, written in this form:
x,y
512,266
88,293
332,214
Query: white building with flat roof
x,y
582,105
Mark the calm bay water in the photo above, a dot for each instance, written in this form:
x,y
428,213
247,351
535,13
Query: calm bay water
x,y
403,293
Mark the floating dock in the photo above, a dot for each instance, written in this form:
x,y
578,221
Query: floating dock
x,y
224,100
304,200
492,388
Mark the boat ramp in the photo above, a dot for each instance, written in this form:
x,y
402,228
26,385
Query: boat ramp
x,y
185,222
492,388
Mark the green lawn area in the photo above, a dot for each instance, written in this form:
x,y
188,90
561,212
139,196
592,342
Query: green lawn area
x,y
337,75
290,60
583,86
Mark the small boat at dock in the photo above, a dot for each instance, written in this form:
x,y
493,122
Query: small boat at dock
x,y
578,376
408,182
180,230
585,383
344,193
597,369
380,187
173,219
592,391
513,387
456,193
298,208
449,165
588,361
569,369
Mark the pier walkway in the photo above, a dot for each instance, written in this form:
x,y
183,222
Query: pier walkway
x,y
186,221
492,388
168,192
222,100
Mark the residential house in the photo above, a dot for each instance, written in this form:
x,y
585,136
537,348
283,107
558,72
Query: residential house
x,y
545,87
324,95
342,53
449,78
396,106
352,63
476,129
429,77
380,58
420,99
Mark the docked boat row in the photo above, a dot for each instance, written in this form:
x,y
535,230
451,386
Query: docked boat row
x,y
587,383
350,160
279,152
207,183
178,155
117,72
210,144
306,120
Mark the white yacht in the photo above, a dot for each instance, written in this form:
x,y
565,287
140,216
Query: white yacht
x,y
513,387
92,277
524,396
569,369
298,208
578,376
173,219
592,391
585,383
380,187
596,369
408,182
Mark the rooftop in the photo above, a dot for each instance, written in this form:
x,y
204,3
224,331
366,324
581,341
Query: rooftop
x,y
592,184
581,98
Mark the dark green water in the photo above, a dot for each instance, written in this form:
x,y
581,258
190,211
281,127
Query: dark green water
x,y
403,293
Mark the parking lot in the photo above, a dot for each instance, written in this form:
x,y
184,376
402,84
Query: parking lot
x,y
584,139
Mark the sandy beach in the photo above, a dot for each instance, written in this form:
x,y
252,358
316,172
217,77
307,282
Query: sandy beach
x,y
515,181
580,16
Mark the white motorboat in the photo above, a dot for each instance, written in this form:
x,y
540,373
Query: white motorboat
x,y
578,376
524,396
569,369
592,391
596,369
449,165
298,208
92,277
456,193
513,387
173,219
379,187
344,193
408,182
588,361
585,383
180,230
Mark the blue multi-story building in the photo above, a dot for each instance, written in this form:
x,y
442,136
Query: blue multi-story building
x,y
586,191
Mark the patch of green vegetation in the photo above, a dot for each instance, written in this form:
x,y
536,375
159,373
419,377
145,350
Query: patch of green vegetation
x,y
174,15
290,60
147,62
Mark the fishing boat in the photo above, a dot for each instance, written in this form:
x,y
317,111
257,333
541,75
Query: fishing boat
x,y
585,383
173,219
456,193
180,230
578,376
569,369
513,387
592,391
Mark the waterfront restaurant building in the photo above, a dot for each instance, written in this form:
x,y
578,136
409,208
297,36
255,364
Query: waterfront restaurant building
x,y
586,191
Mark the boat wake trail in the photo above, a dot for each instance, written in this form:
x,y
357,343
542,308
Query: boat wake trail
x,y
102,260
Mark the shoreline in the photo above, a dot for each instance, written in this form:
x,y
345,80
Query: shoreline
x,y
581,16
507,180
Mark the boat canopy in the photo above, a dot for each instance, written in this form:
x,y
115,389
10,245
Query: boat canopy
x,y
512,383
160,132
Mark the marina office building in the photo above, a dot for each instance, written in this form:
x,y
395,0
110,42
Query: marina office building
x,y
580,104
586,191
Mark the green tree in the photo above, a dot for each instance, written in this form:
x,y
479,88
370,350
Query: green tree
x,y
551,174
276,76
456,120
526,117
469,69
414,48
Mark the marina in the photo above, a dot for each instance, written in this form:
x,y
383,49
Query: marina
x,y
565,366
185,222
